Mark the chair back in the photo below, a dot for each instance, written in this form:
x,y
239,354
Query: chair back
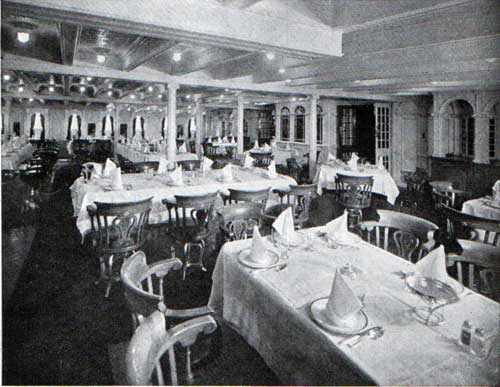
x,y
146,166
239,220
151,341
478,267
119,227
405,235
354,192
197,209
262,159
189,165
258,196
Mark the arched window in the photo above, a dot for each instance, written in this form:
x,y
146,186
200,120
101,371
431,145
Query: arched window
x,y
74,126
138,127
494,132
300,120
319,124
37,128
285,124
459,124
108,129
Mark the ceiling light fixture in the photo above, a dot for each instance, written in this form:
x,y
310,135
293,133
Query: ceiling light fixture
x,y
6,77
128,109
89,79
188,96
31,100
281,70
270,55
294,99
132,96
101,58
51,89
110,93
160,96
150,88
82,89
20,89
23,37
226,90
177,56
222,95
110,85
288,80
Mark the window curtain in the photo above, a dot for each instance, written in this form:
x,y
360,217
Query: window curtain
x,y
32,127
71,122
164,127
103,129
138,125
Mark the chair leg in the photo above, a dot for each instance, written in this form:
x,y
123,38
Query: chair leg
x,y
189,261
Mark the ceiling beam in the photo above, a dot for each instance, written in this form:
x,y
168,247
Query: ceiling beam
x,y
66,80
241,4
143,49
195,21
209,58
69,36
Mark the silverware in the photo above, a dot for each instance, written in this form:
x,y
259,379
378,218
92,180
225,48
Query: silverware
x,y
373,334
359,334
277,267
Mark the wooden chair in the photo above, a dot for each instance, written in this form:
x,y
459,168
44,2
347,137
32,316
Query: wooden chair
x,y
412,196
478,267
151,341
298,197
262,159
192,216
238,220
143,286
190,165
117,231
404,235
444,193
146,166
238,195
354,193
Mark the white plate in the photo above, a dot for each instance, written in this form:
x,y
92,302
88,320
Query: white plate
x,y
449,290
316,310
243,258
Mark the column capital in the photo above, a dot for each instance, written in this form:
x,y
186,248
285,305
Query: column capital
x,y
314,97
173,86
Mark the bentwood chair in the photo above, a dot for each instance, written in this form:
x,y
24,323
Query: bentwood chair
x,y
238,195
262,159
355,194
478,267
151,341
238,220
190,165
413,195
146,166
405,235
118,231
192,219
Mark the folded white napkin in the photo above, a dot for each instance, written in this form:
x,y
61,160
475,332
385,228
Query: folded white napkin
x,y
433,265
176,176
260,249
97,168
227,173
343,306
273,144
109,167
283,225
337,230
256,145
271,170
331,157
233,140
266,147
209,140
248,161
69,147
224,139
162,165
496,191
207,164
218,140
287,146
182,148
380,163
116,179
353,162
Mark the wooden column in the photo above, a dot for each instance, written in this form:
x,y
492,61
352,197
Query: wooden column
x,y
199,126
172,122
313,136
239,120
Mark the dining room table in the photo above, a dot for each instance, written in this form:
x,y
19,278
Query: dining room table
x,y
137,155
12,158
484,207
383,183
271,309
139,186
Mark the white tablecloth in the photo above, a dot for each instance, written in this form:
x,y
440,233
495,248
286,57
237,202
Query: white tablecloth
x,y
12,159
137,156
383,183
142,186
270,309
483,208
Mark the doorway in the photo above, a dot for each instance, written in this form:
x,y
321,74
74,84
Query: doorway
x,y
356,130
91,129
17,128
123,130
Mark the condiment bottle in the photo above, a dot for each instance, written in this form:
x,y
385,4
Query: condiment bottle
x,y
466,333
478,343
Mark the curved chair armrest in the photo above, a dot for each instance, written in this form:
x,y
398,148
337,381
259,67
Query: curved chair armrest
x,y
188,313
160,269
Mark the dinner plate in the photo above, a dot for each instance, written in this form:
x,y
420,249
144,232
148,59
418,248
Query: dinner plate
x,y
243,259
433,288
316,309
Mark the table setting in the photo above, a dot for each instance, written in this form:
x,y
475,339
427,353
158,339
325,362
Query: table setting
x,y
376,326
487,207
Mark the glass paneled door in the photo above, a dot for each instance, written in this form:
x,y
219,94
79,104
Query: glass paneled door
x,y
383,132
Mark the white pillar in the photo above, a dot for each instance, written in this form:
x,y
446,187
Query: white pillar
x,y
239,120
172,123
277,124
116,114
313,136
481,139
199,126
6,118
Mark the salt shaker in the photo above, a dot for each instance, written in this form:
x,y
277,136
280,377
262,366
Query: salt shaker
x,y
478,343
466,333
